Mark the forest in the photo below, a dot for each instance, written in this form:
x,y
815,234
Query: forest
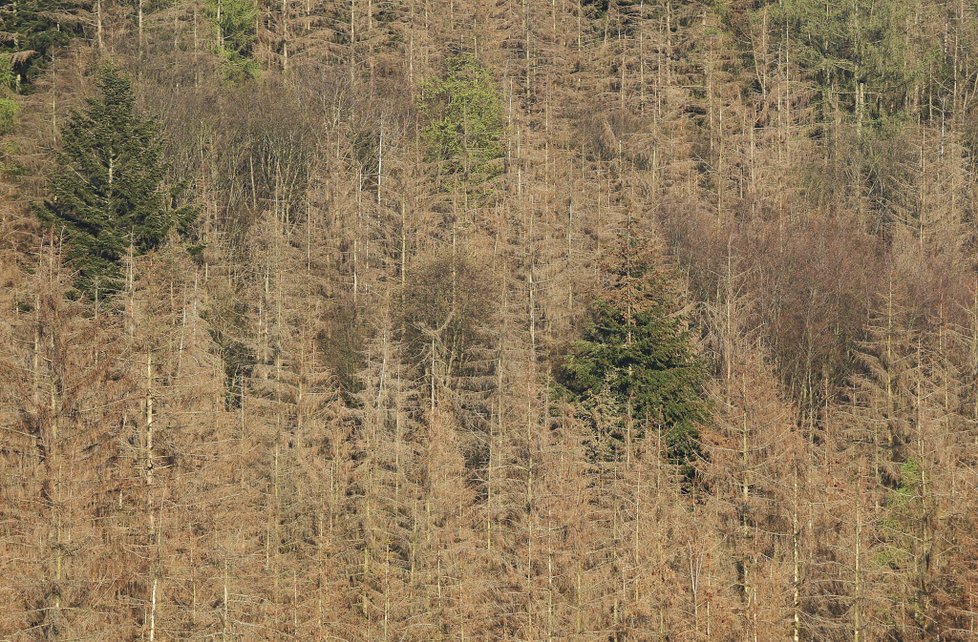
x,y
417,320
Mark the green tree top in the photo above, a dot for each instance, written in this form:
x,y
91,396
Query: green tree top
x,y
860,52
638,358
33,30
109,189
236,22
464,130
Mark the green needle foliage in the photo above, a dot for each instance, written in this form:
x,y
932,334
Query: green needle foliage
x,y
464,130
636,368
33,30
109,193
860,54
8,112
906,543
236,23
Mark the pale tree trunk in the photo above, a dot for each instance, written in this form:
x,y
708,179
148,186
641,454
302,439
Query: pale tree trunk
x,y
98,28
152,537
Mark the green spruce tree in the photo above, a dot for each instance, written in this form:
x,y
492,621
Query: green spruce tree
x,y
638,357
861,57
236,23
33,30
109,192
464,123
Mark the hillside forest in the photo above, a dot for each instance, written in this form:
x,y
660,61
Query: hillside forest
x,y
417,320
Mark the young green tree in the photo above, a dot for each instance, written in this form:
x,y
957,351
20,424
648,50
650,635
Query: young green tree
x,y
464,121
860,53
109,195
638,355
33,29
237,26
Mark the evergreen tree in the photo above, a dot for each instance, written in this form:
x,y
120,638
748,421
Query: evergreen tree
x,y
861,55
638,357
236,24
464,129
33,30
108,195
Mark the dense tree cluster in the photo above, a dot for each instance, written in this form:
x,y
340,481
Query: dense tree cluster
x,y
536,320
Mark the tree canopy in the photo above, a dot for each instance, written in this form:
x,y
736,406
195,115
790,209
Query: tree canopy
x,y
109,192
464,123
637,354
32,32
